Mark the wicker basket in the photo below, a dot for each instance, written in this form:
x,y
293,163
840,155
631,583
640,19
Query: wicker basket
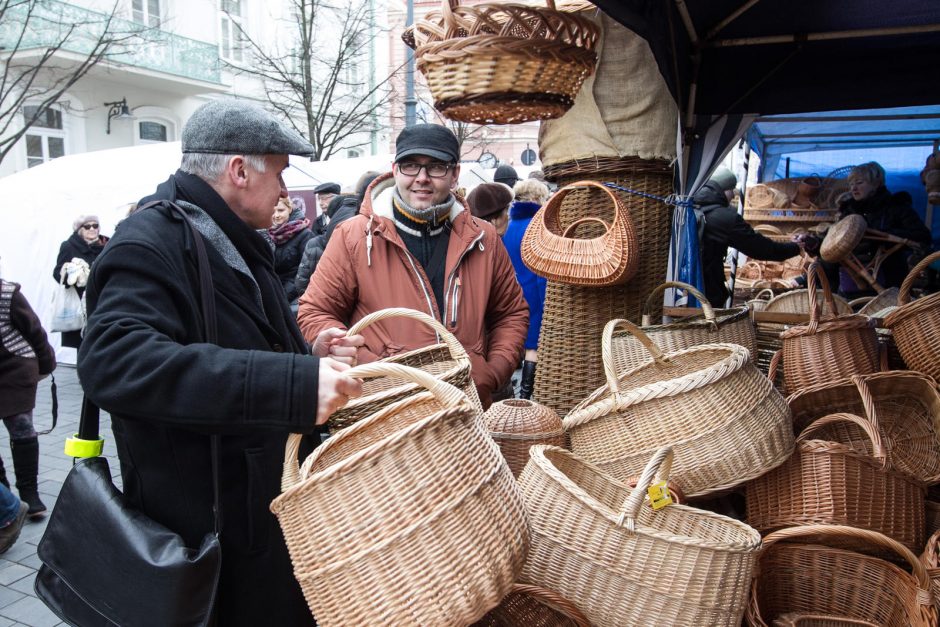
x,y
905,405
517,424
724,419
799,572
447,361
827,481
797,619
730,326
842,238
930,558
932,517
600,544
916,324
551,251
502,63
828,348
534,606
409,517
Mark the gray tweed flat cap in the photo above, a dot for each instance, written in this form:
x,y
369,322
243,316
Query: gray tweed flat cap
x,y
240,127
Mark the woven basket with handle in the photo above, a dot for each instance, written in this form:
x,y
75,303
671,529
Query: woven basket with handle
x,y
534,606
601,545
447,361
916,324
724,419
503,63
800,570
409,517
828,481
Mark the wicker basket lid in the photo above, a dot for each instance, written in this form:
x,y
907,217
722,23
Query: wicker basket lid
x,y
842,237
520,416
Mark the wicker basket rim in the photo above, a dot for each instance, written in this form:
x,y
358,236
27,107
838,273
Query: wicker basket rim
x,y
722,317
539,456
777,300
526,436
914,307
845,322
848,383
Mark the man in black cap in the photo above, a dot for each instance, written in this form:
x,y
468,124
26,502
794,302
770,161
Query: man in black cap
x,y
414,244
325,193
146,360
506,174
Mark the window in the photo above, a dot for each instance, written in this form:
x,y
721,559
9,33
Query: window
x,y
153,132
353,153
45,139
154,124
231,40
146,12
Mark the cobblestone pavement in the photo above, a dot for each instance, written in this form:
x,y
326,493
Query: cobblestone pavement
x,y
18,602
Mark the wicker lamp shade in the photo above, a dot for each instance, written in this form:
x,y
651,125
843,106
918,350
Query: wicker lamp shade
x,y
517,424
534,606
409,517
916,324
842,238
724,419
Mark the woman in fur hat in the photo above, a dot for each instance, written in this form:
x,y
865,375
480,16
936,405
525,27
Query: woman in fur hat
x,y
76,254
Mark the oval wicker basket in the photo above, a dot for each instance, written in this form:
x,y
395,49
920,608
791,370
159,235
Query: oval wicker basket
x,y
409,517
916,324
801,571
516,424
724,419
828,481
534,606
609,259
447,361
842,238
601,545
503,63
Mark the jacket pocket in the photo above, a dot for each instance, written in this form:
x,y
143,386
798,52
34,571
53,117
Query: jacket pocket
x,y
259,518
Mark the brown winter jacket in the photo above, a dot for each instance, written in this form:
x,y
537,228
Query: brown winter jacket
x,y
484,305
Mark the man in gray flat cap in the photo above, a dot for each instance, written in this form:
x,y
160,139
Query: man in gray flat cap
x,y
145,357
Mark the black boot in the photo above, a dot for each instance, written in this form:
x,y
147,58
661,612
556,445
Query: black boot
x,y
3,474
528,380
26,467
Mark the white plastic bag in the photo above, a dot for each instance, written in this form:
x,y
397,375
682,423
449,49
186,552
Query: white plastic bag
x,y
67,314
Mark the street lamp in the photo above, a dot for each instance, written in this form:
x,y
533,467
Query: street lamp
x,y
118,110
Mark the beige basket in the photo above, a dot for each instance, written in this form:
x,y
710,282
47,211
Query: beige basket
x,y
534,606
916,324
447,361
409,517
724,419
517,424
601,545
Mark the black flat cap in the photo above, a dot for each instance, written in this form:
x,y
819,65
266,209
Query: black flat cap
x,y
327,188
430,140
506,174
231,126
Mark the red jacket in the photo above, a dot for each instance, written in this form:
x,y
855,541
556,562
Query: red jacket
x,y
484,305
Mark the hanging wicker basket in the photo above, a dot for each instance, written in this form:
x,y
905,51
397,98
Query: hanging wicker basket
x,y
517,424
724,419
503,63
916,324
601,545
409,517
534,606
552,252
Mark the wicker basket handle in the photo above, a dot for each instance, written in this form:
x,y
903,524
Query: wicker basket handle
x,y
924,597
904,295
606,351
870,427
447,394
706,306
457,351
774,365
552,599
868,401
574,225
552,208
659,467
814,273
760,294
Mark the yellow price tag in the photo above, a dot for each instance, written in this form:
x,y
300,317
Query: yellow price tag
x,y
659,495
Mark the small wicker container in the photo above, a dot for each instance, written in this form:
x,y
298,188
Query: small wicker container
x,y
842,238
601,545
409,517
534,606
916,324
724,419
516,424
830,482
801,572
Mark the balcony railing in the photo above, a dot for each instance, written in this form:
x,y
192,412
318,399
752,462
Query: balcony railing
x,y
33,24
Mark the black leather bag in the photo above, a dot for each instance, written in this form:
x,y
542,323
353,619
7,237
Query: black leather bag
x,y
104,562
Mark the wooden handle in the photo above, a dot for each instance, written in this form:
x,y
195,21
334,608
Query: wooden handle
x,y
607,355
905,294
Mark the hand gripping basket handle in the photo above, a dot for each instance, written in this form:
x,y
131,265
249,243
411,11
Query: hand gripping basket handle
x,y
706,306
924,597
607,355
659,466
870,427
457,351
815,272
904,294
447,394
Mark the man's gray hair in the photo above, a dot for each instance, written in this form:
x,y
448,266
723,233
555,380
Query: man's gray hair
x,y
210,166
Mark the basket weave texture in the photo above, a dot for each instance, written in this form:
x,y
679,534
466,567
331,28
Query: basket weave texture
x,y
842,238
534,606
447,361
905,405
830,482
932,517
551,251
799,571
600,544
930,558
517,424
503,63
724,419
797,619
409,517
916,324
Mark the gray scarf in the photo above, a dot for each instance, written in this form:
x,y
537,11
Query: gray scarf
x,y
433,214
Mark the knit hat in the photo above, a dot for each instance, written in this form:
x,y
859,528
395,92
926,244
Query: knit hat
x,y
430,140
507,175
489,199
327,188
80,220
724,178
230,126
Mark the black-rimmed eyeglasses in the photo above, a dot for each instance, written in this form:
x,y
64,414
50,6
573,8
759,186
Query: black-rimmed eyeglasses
x,y
90,226
435,169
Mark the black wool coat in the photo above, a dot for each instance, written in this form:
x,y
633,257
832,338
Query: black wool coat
x,y
287,258
76,246
144,359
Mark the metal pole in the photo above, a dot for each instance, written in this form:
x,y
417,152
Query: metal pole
x,y
410,101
